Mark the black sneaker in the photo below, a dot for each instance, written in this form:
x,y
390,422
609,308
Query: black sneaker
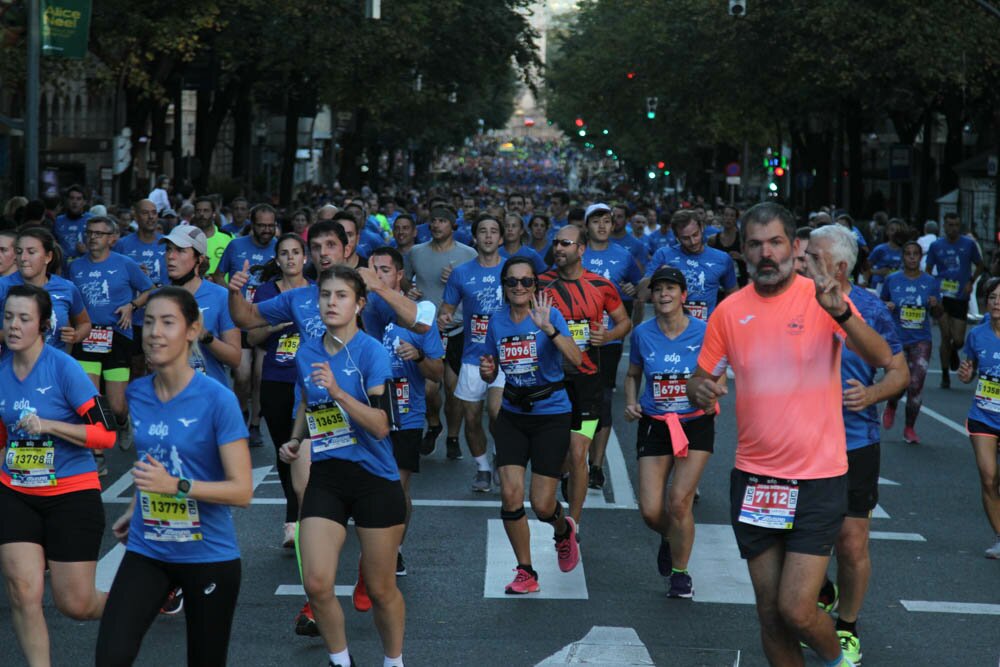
x,y
664,559
174,602
954,362
945,380
334,664
305,622
429,441
102,464
400,565
256,438
454,452
596,477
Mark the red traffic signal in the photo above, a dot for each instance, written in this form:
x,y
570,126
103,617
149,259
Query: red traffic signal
x,y
579,122
630,75
661,164
779,171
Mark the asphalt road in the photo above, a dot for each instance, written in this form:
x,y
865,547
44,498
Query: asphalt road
x,y
934,599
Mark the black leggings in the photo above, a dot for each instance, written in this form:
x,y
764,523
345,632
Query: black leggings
x,y
276,405
138,592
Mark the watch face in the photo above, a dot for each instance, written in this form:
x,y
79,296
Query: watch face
x,y
183,486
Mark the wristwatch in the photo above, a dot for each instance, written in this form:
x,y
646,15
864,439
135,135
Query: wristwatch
x,y
207,338
183,488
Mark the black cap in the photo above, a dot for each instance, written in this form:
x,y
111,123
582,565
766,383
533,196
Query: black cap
x,y
668,274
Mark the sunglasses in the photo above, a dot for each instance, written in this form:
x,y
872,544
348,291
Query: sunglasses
x,y
523,282
565,243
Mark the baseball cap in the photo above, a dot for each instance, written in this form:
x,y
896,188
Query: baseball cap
x,y
168,213
596,208
669,274
99,210
188,236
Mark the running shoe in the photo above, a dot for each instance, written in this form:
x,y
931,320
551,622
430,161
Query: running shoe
x,y
681,586
664,559
482,481
945,380
360,596
524,582
429,442
829,597
596,480
174,602
954,362
125,439
910,436
102,464
454,450
888,417
567,549
496,471
337,664
256,439
994,551
697,494
850,645
288,538
305,622
400,565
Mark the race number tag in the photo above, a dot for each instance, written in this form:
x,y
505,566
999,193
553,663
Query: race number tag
x,y
580,331
949,288
251,290
670,390
328,429
99,340
912,317
479,325
697,309
31,463
988,393
288,346
519,354
402,386
167,519
771,504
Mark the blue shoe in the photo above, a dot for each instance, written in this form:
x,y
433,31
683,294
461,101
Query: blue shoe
x,y
681,586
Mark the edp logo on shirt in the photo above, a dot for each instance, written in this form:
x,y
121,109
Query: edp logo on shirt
x,y
159,430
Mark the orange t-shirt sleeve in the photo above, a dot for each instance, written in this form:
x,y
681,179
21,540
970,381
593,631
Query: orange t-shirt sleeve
x,y
714,352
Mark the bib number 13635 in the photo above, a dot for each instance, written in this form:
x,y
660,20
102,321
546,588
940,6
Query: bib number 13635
x,y
770,504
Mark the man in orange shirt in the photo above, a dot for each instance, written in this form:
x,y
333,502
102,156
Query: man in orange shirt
x,y
782,335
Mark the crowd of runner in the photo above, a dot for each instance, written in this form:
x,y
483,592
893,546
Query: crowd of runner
x,y
361,332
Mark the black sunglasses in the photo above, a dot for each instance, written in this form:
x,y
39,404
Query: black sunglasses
x,y
523,282
565,243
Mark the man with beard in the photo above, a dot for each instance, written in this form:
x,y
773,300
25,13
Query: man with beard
x,y
216,239
258,248
789,486
68,228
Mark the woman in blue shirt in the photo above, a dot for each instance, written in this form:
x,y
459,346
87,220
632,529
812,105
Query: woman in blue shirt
x,y
674,434
193,464
530,338
343,417
281,343
982,349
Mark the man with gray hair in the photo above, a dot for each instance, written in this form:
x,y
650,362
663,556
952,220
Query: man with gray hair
x,y
789,485
930,236
838,247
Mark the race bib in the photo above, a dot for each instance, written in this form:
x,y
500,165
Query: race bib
x,y
519,354
697,309
770,505
478,328
402,386
912,317
31,463
949,288
670,390
99,340
328,428
988,393
580,331
288,346
251,291
168,519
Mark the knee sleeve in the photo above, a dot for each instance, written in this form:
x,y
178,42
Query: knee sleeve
x,y
512,515
556,515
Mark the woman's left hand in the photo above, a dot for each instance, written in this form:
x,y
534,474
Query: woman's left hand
x,y
150,476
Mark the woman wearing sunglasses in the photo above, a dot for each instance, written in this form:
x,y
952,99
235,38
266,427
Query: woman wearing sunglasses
x,y
530,338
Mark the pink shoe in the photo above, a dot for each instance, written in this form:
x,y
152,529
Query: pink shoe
x,y
910,436
888,417
524,582
567,549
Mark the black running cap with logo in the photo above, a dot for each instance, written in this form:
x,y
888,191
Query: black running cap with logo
x,y
669,274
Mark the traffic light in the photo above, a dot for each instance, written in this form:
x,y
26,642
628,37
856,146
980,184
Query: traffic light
x,y
779,171
582,132
630,76
661,164
651,107
579,122
651,175
737,8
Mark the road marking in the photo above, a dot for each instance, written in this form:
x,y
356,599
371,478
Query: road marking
x,y
951,607
901,537
879,513
259,474
937,416
107,567
719,574
604,646
621,484
887,482
500,561
297,590
121,484
271,481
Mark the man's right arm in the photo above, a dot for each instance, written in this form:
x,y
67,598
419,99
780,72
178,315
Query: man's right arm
x,y
247,315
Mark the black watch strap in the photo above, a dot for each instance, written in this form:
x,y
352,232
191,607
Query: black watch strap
x,y
844,316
